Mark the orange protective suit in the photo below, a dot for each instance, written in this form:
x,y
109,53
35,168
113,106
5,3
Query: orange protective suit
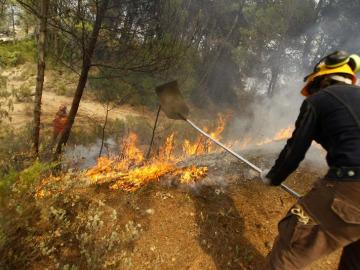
x,y
59,122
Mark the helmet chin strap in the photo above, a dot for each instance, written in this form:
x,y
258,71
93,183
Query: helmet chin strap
x,y
340,78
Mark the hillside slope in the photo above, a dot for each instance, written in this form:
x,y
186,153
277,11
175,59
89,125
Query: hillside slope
x,y
225,221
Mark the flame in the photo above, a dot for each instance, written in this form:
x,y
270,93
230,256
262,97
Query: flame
x,y
103,165
192,174
166,152
196,148
202,145
138,177
282,134
131,155
220,127
130,170
130,151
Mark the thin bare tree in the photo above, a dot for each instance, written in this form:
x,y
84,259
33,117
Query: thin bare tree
x,y
87,54
44,6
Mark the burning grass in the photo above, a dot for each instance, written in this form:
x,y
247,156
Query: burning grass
x,y
130,171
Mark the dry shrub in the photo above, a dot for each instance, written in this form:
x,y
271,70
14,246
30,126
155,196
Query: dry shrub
x,y
66,229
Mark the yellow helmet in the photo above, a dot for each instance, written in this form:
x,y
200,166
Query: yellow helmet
x,y
354,62
335,63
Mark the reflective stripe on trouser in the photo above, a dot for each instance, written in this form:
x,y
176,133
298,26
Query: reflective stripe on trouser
x,y
334,222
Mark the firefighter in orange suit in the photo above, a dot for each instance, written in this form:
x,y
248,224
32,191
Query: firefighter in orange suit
x,y
59,122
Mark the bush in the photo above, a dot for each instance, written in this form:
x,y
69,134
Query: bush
x,y
115,129
54,224
18,213
14,148
6,181
10,58
84,135
23,93
61,90
14,54
6,102
23,179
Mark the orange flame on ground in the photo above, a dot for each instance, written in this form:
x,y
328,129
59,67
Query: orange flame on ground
x,y
202,145
192,174
130,171
283,134
139,177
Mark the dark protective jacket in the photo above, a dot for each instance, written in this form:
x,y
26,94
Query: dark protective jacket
x,y
331,118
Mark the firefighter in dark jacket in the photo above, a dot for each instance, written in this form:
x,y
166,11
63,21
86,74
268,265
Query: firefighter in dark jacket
x,y
328,217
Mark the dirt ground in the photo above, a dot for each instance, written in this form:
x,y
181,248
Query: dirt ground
x,y
229,223
226,221
89,109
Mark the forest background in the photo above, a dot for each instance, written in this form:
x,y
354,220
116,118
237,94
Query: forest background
x,y
242,58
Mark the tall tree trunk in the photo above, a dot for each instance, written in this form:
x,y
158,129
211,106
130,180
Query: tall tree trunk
x,y
13,22
44,5
275,70
273,81
87,53
306,61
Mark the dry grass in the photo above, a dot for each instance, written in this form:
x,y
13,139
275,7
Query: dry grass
x,y
228,221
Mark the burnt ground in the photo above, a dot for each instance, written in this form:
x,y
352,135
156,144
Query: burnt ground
x,y
229,221
226,221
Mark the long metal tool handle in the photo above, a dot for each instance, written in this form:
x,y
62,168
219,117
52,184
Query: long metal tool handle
x,y
286,188
153,132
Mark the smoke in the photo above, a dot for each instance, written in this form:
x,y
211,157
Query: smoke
x,y
268,115
85,156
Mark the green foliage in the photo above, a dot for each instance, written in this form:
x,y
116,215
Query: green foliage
x,y
23,93
14,148
116,128
109,90
12,54
34,173
25,178
2,237
6,181
63,90
6,103
10,58
84,135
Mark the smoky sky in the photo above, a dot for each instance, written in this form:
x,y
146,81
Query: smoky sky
x,y
334,31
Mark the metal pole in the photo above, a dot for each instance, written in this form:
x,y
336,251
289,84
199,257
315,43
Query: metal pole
x,y
286,188
153,133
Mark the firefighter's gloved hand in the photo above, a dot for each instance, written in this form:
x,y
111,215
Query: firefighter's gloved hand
x,y
266,180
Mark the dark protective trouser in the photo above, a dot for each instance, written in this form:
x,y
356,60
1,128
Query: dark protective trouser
x,y
350,257
334,211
